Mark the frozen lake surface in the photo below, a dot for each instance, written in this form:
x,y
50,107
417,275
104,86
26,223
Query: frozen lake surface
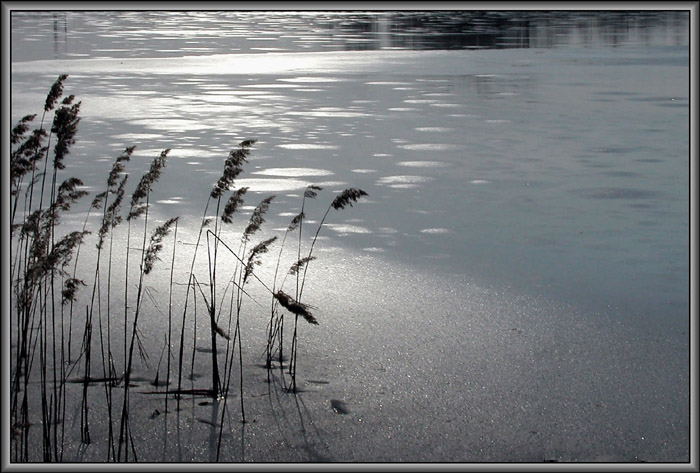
x,y
525,176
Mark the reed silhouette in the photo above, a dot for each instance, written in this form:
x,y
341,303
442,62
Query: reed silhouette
x,y
58,294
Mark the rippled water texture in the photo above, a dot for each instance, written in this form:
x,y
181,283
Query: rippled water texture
x,y
510,158
171,34
556,162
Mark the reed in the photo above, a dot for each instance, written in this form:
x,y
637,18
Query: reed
x,y
110,219
170,318
39,264
233,166
241,276
346,198
140,206
243,270
47,286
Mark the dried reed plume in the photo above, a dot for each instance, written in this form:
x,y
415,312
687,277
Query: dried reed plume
x,y
347,197
70,286
156,244
254,256
65,126
138,207
23,159
296,308
67,193
257,219
294,269
21,128
57,258
232,168
233,204
55,93
111,216
118,167
312,191
294,224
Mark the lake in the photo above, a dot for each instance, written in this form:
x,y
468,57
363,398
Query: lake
x,y
555,161
544,154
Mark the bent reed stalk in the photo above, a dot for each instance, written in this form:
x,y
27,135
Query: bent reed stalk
x,y
47,260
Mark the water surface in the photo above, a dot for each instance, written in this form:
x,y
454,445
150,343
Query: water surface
x,y
539,153
557,159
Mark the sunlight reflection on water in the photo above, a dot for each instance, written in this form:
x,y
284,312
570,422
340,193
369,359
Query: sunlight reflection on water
x,y
272,185
306,146
546,153
459,119
294,172
430,146
423,164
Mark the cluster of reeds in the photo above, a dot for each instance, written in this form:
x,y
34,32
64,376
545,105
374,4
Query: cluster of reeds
x,y
41,283
46,286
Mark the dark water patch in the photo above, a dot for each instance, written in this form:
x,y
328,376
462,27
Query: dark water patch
x,y
617,93
598,164
45,35
641,205
674,104
615,150
617,193
620,173
660,99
